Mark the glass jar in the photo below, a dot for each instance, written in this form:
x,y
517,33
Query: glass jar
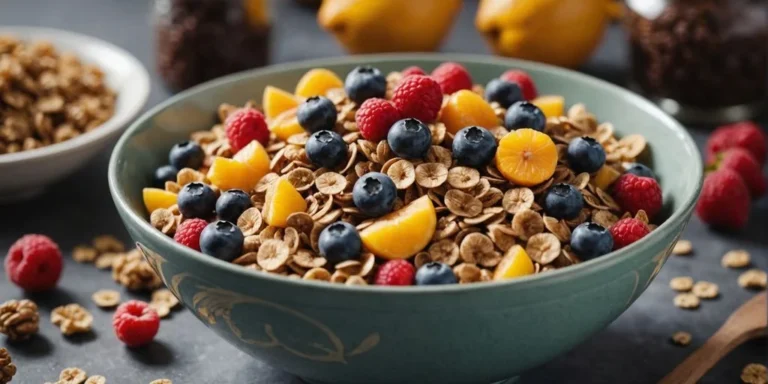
x,y
703,61
198,40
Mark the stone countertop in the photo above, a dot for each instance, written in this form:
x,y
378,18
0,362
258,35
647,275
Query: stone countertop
x,y
633,349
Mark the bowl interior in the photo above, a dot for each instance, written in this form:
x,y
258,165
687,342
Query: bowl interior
x,y
123,73
673,154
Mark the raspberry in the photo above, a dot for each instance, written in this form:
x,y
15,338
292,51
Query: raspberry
x,y
412,70
634,193
395,272
34,263
418,97
741,161
188,233
135,323
747,135
724,200
245,125
627,231
523,80
375,117
452,77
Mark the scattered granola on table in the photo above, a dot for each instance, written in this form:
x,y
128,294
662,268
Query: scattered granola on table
x,y
738,258
7,368
72,376
681,338
106,298
71,319
47,97
132,271
754,279
687,301
682,248
705,290
681,283
481,181
754,373
19,319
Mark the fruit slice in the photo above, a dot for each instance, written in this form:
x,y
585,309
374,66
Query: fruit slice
x,y
605,177
286,125
276,101
402,233
515,263
316,82
551,105
156,198
526,157
281,201
255,156
465,108
230,174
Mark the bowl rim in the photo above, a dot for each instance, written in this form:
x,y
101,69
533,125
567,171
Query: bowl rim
x,y
103,131
572,272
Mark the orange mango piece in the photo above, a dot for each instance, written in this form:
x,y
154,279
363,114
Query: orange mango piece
x,y
526,157
316,82
516,263
286,125
551,105
465,108
276,101
156,198
403,233
605,177
281,201
255,156
231,174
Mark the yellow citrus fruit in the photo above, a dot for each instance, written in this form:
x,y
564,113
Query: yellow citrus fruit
x,y
403,233
551,105
156,198
515,263
465,108
605,177
255,156
276,101
316,82
281,201
286,125
526,157
231,174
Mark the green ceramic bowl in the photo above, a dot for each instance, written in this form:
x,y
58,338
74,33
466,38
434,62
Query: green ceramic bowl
x,y
479,333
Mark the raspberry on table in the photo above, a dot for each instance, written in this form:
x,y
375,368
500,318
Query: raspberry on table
x,y
742,162
452,77
245,125
418,97
634,193
395,272
34,263
375,117
746,135
724,201
627,231
135,323
188,233
524,80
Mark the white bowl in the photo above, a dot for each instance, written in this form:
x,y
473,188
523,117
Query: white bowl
x,y
26,174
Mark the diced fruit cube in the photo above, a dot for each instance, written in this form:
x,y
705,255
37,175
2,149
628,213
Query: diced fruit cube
x,y
316,82
515,263
402,233
228,174
276,101
255,156
155,198
526,157
466,108
551,105
605,177
281,201
286,125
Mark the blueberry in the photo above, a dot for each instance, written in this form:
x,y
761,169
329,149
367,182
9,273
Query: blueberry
x,y
231,204
434,273
365,82
340,242
585,154
590,240
326,149
503,92
474,147
186,154
222,240
196,200
317,113
409,138
374,194
563,201
163,174
524,115
640,170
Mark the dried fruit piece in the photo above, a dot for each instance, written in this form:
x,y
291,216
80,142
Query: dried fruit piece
x,y
72,376
106,298
681,283
330,183
543,248
462,203
754,373
250,221
738,258
705,290
71,319
431,175
502,236
445,251
517,199
87,254
753,278
681,338
463,177
165,297
402,174
273,254
108,243
682,248
467,273
321,274
301,178
527,223
476,247
686,301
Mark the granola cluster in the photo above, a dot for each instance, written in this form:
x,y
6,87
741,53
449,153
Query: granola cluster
x,y
480,214
19,319
47,97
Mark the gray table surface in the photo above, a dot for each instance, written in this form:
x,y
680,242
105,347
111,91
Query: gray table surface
x,y
633,349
